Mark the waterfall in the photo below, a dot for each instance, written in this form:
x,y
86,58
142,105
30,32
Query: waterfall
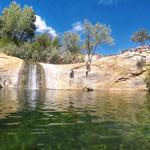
x,y
32,77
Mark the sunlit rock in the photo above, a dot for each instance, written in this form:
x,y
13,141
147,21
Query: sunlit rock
x,y
126,71
9,70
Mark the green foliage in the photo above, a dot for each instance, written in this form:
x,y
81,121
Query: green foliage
x,y
0,27
10,18
17,38
26,26
17,24
141,36
42,49
42,41
4,41
56,43
71,59
55,56
94,35
10,49
71,43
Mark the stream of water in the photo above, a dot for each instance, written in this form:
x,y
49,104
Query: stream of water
x,y
32,77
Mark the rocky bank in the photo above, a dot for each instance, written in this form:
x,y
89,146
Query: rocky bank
x,y
126,71
10,68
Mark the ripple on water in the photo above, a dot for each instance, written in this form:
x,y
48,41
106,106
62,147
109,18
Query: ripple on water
x,y
70,120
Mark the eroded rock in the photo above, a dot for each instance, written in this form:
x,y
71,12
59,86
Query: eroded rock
x,y
9,70
118,72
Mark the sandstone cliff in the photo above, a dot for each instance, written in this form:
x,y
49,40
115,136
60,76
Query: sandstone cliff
x,y
120,72
10,68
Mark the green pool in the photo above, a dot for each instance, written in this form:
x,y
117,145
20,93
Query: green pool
x,y
74,120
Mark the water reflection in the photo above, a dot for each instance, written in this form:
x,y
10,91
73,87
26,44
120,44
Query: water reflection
x,y
8,102
71,120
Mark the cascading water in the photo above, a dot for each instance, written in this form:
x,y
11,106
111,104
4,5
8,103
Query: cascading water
x,y
32,77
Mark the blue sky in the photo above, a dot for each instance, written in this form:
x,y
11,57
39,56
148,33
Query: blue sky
x,y
124,17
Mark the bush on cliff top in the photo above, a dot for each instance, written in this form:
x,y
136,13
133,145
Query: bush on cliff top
x,y
18,38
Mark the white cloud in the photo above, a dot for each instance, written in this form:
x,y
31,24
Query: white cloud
x,y
42,27
77,27
110,2
107,2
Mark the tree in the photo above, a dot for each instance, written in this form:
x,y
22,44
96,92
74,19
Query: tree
x,y
56,43
9,20
71,42
43,48
43,41
141,36
94,35
26,24
0,28
18,24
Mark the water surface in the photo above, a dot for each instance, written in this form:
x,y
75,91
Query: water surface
x,y
74,120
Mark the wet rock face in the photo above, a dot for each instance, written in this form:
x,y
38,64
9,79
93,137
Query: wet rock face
x,y
31,76
1,83
17,73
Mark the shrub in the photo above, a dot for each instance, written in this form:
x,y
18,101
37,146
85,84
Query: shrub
x,y
147,79
141,63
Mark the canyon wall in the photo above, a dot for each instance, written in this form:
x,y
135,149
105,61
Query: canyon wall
x,y
121,72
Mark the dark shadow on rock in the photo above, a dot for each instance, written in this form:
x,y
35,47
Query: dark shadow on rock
x,y
41,76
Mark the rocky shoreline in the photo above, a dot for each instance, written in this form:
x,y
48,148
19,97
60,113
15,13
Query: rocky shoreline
x,y
119,72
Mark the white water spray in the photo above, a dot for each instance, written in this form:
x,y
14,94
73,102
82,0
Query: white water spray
x,y
32,77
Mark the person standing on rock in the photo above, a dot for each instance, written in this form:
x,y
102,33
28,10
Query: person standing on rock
x,y
88,68
71,77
